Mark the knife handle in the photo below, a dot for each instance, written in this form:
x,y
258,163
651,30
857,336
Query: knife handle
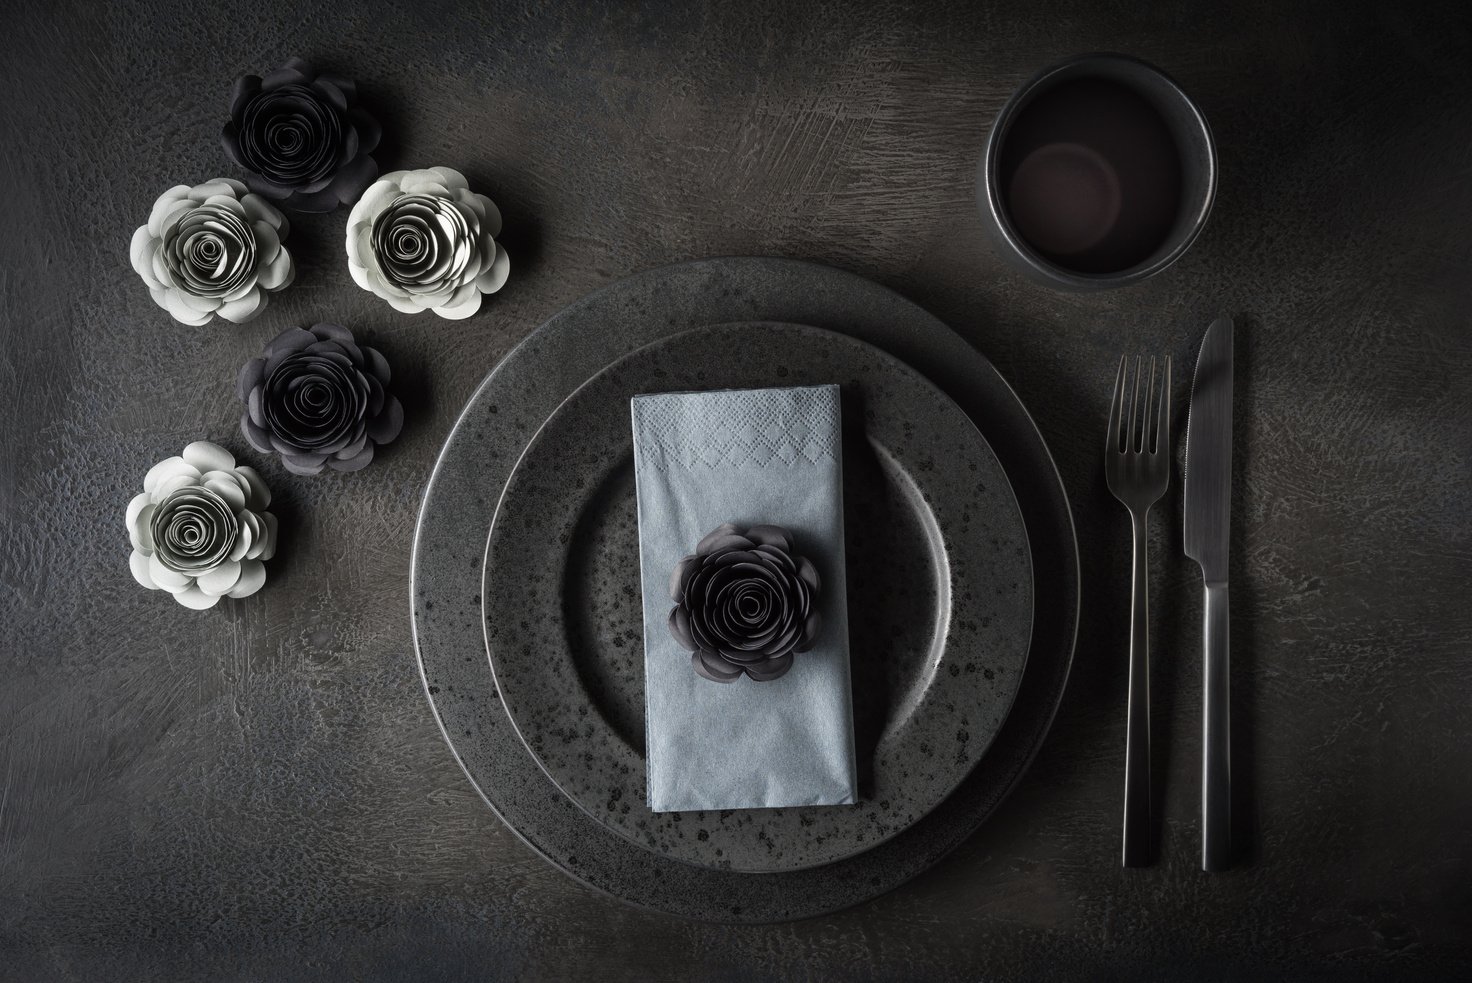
x,y
1216,754
1137,729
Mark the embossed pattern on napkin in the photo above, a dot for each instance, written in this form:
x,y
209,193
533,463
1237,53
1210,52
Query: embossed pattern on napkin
x,y
734,429
744,456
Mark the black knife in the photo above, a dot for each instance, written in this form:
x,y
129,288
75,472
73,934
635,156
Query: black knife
x,y
1208,516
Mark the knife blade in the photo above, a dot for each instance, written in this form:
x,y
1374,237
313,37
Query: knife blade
x,y
1208,475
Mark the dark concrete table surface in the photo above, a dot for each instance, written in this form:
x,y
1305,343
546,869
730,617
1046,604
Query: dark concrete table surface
x,y
260,791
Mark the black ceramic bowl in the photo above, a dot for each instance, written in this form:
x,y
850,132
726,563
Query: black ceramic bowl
x,y
1098,172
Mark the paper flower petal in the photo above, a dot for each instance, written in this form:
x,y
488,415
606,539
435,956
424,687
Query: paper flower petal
x,y
304,464
260,495
206,456
197,599
223,485
269,550
251,375
247,307
493,279
390,420
138,564
175,301
170,580
174,483
135,508
278,273
245,536
219,579
164,206
252,578
464,303
140,533
357,462
140,253
167,468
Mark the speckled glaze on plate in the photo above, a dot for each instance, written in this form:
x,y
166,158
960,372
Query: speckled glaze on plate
x,y
459,503
939,584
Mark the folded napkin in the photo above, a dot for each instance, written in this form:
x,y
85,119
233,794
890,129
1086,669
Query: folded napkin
x,y
750,457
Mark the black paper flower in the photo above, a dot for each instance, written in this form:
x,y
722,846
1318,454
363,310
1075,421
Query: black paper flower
x,y
744,603
319,399
301,137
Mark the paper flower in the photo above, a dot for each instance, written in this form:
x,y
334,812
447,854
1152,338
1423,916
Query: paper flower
x,y
319,400
301,137
422,240
199,529
744,603
213,249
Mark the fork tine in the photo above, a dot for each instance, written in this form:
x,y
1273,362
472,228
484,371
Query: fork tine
x,y
1115,405
1130,441
1147,424
1162,415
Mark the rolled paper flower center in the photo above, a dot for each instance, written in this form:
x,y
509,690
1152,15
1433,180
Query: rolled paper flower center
x,y
316,401
422,242
316,395
285,136
210,251
206,251
291,135
193,530
411,242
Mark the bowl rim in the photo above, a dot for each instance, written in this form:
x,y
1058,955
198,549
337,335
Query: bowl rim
x,y
1152,264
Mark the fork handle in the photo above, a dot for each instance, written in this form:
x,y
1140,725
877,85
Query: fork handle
x,y
1216,760
1137,730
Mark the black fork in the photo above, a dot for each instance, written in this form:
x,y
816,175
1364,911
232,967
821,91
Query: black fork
x,y
1137,468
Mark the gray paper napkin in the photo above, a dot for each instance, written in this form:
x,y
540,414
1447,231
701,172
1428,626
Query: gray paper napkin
x,y
755,456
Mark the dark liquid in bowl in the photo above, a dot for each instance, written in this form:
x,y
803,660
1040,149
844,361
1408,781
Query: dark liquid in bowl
x,y
1091,176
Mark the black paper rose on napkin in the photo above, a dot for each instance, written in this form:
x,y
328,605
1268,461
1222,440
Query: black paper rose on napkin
x,y
319,399
744,603
301,137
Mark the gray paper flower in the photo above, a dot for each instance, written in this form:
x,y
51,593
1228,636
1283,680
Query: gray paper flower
x,y
744,603
301,137
319,399
213,249
199,529
422,240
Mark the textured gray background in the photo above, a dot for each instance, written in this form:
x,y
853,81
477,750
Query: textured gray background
x,y
260,792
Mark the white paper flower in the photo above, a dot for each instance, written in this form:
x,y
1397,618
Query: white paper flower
x,y
213,249
422,240
199,529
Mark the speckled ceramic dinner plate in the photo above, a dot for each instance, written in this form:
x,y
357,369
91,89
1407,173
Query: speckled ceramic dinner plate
x,y
523,390
939,584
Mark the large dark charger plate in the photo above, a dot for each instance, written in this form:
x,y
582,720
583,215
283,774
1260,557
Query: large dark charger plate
x,y
939,588
523,391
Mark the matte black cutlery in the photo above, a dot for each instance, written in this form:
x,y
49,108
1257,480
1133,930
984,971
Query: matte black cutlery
x,y
1137,468
1208,478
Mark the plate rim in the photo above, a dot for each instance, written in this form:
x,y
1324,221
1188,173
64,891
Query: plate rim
x,y
827,336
